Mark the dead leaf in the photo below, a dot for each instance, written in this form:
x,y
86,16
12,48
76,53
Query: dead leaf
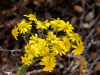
x,y
7,60
93,55
36,2
76,65
97,2
92,22
73,20
89,16
83,65
98,29
81,59
85,25
97,67
1,72
78,8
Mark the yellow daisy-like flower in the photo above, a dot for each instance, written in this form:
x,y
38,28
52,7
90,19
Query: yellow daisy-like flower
x,y
27,47
26,60
24,27
15,32
51,37
67,43
34,39
59,48
55,24
67,27
49,63
74,37
33,50
31,17
79,48
42,25
45,51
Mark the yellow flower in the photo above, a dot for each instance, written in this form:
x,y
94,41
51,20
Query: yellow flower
x,y
45,51
59,48
79,48
15,32
49,63
27,47
33,50
26,60
67,43
42,25
31,17
35,40
66,27
51,37
74,37
56,23
24,27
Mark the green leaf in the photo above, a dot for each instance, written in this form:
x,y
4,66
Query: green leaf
x,y
22,70
17,66
33,61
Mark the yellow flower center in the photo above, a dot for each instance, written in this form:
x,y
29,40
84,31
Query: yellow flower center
x,y
43,23
14,32
36,41
58,22
58,48
24,26
48,65
32,51
65,27
79,48
25,60
52,38
48,54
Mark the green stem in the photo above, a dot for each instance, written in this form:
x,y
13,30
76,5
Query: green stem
x,y
30,33
22,70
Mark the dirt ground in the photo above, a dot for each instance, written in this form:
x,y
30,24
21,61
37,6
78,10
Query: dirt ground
x,y
84,15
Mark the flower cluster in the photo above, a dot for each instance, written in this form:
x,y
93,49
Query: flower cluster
x,y
50,45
